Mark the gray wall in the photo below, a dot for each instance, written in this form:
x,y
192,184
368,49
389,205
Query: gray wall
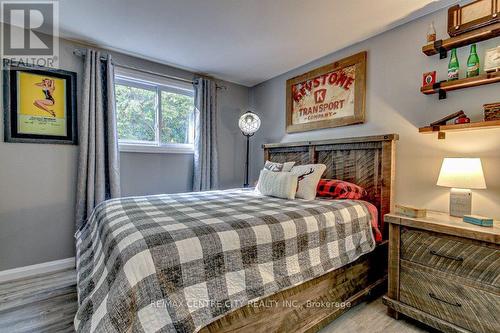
x,y
395,105
37,182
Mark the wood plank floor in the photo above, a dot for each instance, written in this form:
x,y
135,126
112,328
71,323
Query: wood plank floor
x,y
47,304
43,304
371,317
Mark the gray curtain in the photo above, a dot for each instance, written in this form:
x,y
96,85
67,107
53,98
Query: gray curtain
x,y
98,165
205,144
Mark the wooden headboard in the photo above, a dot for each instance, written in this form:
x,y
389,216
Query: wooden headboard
x,y
367,161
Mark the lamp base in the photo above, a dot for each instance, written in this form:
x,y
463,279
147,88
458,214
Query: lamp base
x,y
460,202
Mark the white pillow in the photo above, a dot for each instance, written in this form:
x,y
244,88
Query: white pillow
x,y
279,167
308,177
277,184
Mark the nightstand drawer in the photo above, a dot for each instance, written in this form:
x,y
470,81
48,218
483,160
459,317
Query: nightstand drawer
x,y
473,309
465,258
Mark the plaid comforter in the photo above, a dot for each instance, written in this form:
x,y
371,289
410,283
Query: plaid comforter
x,y
174,263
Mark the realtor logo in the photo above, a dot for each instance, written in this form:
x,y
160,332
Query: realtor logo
x,y
320,95
30,32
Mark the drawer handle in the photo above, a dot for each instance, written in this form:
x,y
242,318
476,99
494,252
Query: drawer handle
x,y
431,295
446,256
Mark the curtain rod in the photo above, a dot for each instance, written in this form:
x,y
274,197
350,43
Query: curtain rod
x,y
81,53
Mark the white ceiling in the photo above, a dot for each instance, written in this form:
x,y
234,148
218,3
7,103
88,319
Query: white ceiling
x,y
243,41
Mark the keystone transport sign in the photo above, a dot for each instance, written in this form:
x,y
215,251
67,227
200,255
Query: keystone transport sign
x,y
330,96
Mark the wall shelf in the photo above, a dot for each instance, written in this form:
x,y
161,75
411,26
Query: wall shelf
x,y
442,46
441,129
445,86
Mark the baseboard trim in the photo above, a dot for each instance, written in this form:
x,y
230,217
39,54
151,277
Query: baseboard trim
x,y
32,270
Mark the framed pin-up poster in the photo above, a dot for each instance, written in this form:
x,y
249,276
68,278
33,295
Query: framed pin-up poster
x,y
329,96
39,105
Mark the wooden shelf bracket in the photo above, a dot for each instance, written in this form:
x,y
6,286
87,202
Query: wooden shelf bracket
x,y
442,94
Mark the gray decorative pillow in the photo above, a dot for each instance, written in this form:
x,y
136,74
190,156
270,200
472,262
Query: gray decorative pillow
x,y
308,178
279,167
277,184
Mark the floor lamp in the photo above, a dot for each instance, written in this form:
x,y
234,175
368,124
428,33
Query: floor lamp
x,y
249,123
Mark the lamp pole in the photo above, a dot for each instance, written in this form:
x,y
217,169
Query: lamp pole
x,y
247,159
248,123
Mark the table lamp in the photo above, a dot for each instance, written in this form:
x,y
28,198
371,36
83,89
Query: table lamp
x,y
249,123
461,175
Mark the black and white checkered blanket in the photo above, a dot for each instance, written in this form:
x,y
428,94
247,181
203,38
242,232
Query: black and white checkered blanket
x,y
174,263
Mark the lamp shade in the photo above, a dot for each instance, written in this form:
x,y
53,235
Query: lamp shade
x,y
466,173
249,123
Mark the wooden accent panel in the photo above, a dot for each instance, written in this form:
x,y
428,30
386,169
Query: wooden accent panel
x,y
291,309
355,139
299,155
360,165
366,161
473,309
388,176
394,253
452,255
449,225
454,288
313,156
423,317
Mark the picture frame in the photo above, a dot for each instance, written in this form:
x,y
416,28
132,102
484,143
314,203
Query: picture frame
x,y
39,105
329,96
492,60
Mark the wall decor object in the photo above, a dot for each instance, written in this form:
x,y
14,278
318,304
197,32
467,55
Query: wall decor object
x,y
39,105
431,33
472,62
453,66
429,78
474,15
482,221
492,60
447,118
329,96
463,119
410,211
491,111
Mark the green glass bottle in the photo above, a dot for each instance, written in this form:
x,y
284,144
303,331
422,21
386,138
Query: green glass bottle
x,y
453,66
473,62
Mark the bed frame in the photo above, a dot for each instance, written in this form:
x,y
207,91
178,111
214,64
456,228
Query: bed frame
x,y
366,161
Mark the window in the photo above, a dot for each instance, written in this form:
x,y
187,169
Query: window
x,y
154,115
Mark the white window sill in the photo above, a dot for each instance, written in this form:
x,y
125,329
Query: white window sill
x,y
167,149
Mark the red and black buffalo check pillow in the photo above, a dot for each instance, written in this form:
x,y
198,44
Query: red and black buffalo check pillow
x,y
339,189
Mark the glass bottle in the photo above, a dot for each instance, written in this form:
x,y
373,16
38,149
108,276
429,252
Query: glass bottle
x,y
473,62
453,66
431,33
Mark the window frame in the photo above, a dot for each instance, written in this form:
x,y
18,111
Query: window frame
x,y
159,85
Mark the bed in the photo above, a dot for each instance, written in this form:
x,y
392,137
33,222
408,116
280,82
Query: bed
x,y
226,261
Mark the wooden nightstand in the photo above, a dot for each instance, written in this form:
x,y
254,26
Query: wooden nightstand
x,y
444,272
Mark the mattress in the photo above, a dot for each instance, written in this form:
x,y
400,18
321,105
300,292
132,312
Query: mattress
x,y
175,263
